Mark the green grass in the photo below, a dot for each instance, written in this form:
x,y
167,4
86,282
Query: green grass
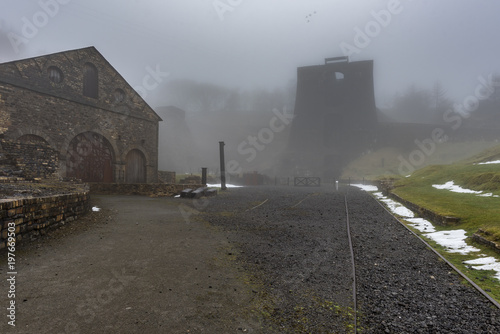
x,y
474,211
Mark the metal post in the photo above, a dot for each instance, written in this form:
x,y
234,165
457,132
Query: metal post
x,y
222,167
204,175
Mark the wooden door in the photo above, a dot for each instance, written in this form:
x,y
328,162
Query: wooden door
x,y
135,168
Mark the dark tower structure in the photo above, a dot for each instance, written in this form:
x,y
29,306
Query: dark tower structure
x,y
335,117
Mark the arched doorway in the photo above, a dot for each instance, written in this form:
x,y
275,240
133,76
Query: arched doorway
x,y
90,158
135,167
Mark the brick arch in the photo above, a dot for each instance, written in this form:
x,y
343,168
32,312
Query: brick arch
x,y
23,133
90,157
32,139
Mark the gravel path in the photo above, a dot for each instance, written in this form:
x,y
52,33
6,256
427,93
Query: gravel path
x,y
294,242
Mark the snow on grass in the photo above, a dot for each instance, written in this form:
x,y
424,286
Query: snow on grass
x,y
489,162
421,224
486,263
453,241
398,208
451,186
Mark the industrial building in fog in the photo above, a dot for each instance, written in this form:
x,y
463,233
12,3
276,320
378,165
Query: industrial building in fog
x,y
335,117
81,116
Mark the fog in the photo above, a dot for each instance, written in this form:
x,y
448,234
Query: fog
x,y
230,64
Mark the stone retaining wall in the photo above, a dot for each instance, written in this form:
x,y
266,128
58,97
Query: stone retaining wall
x,y
386,188
145,189
481,236
32,160
33,216
166,177
426,213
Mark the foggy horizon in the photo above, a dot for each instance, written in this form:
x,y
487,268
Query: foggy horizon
x,y
231,64
259,45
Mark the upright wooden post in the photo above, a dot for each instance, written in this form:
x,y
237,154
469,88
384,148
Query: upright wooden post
x,y
222,167
204,175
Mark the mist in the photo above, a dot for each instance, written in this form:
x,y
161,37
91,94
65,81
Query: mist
x,y
227,70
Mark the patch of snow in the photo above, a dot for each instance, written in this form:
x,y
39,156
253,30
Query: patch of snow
x,y
177,196
451,186
486,263
453,241
398,208
489,162
96,209
365,187
421,224
219,185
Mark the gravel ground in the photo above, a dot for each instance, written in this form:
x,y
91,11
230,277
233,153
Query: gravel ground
x,y
293,241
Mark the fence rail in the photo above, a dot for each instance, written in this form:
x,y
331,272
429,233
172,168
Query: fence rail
x,y
307,181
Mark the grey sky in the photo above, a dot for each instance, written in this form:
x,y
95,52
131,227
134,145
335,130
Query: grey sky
x,y
261,42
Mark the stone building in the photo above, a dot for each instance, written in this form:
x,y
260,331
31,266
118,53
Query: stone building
x,y
76,103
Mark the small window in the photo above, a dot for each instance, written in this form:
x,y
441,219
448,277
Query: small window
x,y
119,95
55,74
90,81
339,76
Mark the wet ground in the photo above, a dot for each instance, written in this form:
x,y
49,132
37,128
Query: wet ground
x,y
137,266
251,260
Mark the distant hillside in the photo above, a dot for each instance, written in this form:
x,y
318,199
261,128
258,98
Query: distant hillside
x,y
388,160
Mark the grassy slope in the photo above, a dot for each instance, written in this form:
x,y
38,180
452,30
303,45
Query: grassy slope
x,y
475,212
386,160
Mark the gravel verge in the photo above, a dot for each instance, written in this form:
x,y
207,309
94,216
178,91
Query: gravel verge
x,y
293,243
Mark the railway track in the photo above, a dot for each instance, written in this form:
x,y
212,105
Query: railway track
x,y
339,262
351,251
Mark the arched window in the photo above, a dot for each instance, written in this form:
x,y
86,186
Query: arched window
x,y
55,74
90,81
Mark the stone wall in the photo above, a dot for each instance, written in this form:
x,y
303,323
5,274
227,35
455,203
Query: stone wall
x,y
166,177
31,160
483,236
426,213
149,189
33,216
